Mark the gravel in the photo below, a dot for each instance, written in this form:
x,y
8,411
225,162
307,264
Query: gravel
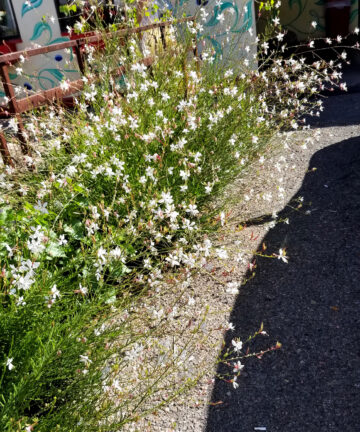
x,y
311,305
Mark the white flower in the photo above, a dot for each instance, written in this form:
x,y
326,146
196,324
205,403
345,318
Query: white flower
x,y
222,218
55,293
282,255
173,260
184,174
238,366
101,253
191,301
85,359
237,344
222,253
41,207
276,21
64,85
165,97
9,363
82,289
20,301
192,210
117,253
8,248
232,288
230,326
234,383
62,240
208,188
78,26
314,24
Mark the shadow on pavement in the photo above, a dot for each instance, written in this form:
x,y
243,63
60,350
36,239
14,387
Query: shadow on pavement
x,y
339,110
311,305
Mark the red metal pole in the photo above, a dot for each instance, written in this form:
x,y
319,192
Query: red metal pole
x,y
9,91
4,150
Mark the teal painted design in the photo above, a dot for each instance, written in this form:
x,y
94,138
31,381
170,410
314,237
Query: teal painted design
x,y
354,14
62,39
248,19
51,75
39,28
58,40
316,17
56,73
216,45
30,5
297,2
237,27
40,78
214,20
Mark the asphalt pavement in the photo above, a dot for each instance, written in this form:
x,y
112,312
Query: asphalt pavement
x,y
311,305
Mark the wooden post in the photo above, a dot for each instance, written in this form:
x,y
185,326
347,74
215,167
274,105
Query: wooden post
x,y
4,150
196,50
163,37
9,91
79,57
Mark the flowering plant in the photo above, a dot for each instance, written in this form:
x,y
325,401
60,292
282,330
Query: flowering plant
x,y
125,193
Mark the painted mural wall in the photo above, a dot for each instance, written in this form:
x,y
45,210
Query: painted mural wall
x,y
38,26
297,16
228,27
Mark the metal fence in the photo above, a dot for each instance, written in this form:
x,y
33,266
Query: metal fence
x,y
15,107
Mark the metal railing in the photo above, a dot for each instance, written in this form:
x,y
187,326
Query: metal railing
x,y
15,107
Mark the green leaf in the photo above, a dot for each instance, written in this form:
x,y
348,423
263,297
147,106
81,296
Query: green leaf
x,y
76,230
29,206
55,250
78,188
4,212
66,9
